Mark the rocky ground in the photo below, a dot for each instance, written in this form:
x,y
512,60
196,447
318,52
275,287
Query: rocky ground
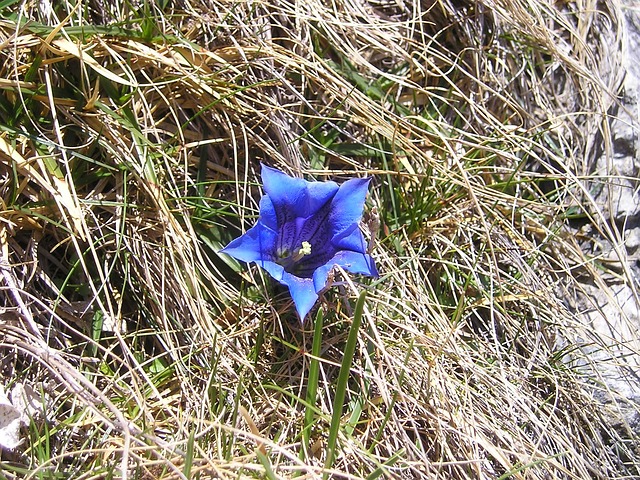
x,y
611,307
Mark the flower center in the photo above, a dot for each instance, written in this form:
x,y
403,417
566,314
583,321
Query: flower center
x,y
288,261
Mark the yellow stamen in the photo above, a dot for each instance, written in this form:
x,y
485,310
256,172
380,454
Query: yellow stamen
x,y
304,250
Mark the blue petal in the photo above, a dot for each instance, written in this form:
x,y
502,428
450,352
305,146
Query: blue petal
x,y
290,235
347,205
317,231
282,188
256,245
301,197
302,292
350,239
318,195
301,289
268,213
274,269
351,261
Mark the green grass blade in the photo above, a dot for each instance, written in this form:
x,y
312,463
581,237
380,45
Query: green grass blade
x,y
355,407
312,382
188,459
264,460
389,463
343,380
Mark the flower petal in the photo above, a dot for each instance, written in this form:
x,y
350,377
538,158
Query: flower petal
x,y
302,292
268,214
317,230
301,289
347,204
350,239
274,269
318,195
353,262
256,245
301,197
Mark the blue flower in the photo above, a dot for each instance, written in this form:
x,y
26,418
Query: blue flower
x,y
305,229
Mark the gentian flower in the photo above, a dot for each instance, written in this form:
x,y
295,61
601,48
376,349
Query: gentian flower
x,y
304,229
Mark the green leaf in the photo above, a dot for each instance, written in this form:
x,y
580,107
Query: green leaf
x,y
312,382
343,380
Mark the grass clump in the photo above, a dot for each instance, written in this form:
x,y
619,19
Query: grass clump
x,y
131,136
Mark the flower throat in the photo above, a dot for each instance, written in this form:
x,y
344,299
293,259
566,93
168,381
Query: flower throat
x,y
289,262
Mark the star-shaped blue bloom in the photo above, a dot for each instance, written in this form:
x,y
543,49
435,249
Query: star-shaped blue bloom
x,y
305,229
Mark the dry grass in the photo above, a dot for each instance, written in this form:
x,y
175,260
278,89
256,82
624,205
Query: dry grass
x,y
131,140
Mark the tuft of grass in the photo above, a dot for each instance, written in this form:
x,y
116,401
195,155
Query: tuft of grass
x,y
131,135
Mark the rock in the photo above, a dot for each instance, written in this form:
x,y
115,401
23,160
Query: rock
x,y
611,320
620,198
632,241
609,311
